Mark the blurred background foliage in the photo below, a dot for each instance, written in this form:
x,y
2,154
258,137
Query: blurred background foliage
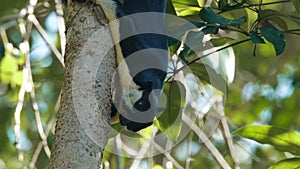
x,y
265,89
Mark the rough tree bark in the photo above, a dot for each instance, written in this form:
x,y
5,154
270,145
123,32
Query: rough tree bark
x,y
83,124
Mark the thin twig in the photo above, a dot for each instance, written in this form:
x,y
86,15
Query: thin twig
x,y
39,122
140,155
17,114
30,82
205,140
161,150
40,29
189,150
48,128
226,131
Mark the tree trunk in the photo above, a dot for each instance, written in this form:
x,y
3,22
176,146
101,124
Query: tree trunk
x,y
83,123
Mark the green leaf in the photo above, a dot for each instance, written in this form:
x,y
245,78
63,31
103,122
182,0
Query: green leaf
x,y
157,166
280,22
282,139
5,78
174,45
274,16
200,71
147,132
8,67
186,7
188,11
9,64
221,41
208,15
22,59
255,38
275,36
264,14
17,78
170,119
207,74
296,4
170,8
291,163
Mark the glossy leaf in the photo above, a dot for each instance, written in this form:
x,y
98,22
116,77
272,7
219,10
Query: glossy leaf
x,y
291,163
192,42
208,15
282,139
275,36
186,7
170,119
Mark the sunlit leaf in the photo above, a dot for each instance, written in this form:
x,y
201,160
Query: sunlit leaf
x,y
22,59
192,42
186,7
170,119
5,78
158,167
221,41
147,132
9,64
208,15
17,78
291,163
282,139
227,64
8,67
275,36
190,11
